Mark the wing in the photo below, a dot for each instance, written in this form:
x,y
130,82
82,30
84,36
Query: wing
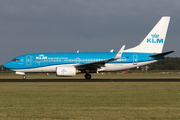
x,y
99,64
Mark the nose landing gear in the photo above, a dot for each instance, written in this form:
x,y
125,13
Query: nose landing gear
x,y
24,77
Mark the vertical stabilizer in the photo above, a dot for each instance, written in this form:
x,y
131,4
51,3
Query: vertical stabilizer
x,y
154,41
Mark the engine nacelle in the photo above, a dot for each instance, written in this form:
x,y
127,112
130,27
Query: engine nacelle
x,y
66,71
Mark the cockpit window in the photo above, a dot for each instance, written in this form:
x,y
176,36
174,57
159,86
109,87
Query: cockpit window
x,y
15,60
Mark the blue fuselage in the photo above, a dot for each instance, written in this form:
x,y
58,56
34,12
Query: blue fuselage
x,y
38,60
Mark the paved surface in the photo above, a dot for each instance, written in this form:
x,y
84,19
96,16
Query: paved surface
x,y
92,80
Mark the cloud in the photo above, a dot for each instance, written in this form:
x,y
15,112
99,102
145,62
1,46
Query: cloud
x,y
67,25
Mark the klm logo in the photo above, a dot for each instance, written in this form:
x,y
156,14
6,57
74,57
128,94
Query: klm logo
x,y
63,70
154,39
41,57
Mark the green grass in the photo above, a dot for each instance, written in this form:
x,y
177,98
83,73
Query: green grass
x,y
90,101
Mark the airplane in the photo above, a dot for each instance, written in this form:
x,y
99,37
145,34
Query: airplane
x,y
70,64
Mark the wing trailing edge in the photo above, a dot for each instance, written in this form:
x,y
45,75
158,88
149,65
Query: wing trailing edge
x,y
99,64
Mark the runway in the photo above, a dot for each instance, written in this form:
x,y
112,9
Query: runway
x,y
91,80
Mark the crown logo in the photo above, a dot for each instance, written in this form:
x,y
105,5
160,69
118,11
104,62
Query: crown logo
x,y
154,35
63,70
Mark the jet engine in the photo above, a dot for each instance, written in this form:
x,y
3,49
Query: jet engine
x,y
66,71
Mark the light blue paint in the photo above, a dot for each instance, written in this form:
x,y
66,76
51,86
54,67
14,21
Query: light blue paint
x,y
154,39
48,59
63,70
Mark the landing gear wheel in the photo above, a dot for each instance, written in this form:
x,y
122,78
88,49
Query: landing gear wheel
x,y
87,76
24,77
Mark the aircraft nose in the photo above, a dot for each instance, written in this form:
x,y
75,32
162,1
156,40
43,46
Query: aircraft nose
x,y
7,65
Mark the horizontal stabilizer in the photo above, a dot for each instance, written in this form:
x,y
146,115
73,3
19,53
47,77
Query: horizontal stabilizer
x,y
161,54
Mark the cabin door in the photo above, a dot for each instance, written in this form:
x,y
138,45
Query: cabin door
x,y
135,59
28,60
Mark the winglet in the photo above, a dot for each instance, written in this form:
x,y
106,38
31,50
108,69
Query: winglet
x,y
118,55
112,50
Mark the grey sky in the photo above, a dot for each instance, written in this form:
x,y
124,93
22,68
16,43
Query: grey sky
x,y
33,26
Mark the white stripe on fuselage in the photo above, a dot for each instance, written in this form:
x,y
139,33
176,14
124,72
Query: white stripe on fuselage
x,y
108,67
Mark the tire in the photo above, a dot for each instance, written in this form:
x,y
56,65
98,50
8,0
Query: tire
x,y
24,77
87,76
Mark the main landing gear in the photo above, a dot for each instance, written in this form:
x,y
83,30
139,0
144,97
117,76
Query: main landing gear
x,y
87,76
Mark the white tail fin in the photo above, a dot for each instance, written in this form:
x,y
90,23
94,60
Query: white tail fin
x,y
154,41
